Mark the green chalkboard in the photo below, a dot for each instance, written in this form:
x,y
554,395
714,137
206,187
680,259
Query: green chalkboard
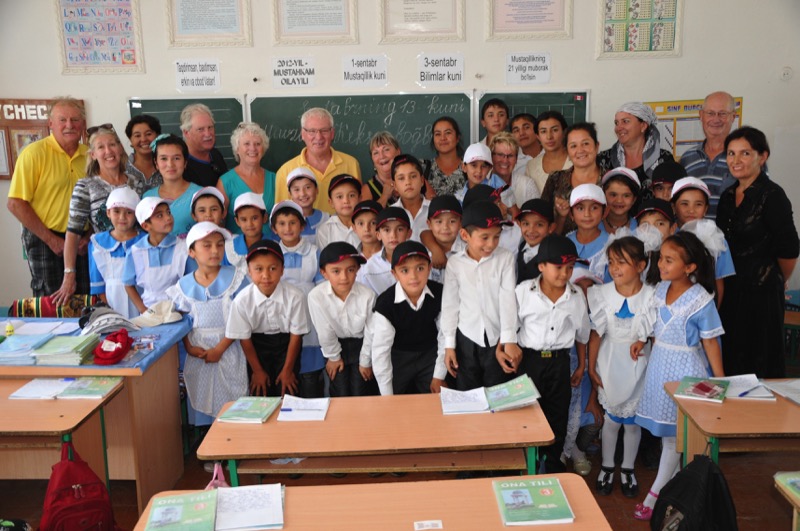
x,y
228,113
409,117
571,104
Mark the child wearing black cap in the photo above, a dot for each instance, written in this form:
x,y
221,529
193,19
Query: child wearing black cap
x,y
510,235
553,317
479,311
443,236
343,194
535,220
269,318
364,215
407,346
665,176
341,310
393,228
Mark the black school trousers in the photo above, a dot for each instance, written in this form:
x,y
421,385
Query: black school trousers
x,y
412,371
349,381
271,350
477,365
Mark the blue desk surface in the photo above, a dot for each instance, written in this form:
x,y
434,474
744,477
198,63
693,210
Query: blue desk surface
x,y
133,363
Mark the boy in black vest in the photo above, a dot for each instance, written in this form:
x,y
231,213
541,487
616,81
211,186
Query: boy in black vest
x,y
407,345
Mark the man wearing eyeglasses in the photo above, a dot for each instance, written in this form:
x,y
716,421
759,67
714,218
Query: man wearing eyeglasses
x,y
206,164
41,188
707,160
317,132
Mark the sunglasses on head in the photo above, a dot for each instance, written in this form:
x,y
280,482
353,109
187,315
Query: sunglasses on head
x,y
95,128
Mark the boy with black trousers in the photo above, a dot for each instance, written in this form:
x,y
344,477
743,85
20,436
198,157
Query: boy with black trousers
x,y
407,345
553,316
479,310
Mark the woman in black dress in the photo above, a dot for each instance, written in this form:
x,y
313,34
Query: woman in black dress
x,y
756,217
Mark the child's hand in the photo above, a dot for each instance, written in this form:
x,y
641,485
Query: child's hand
x,y
577,376
561,207
213,355
438,258
366,373
508,356
259,383
436,385
450,361
593,407
288,381
196,352
636,350
595,378
334,367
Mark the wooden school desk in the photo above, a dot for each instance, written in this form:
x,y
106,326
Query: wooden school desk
x,y
735,425
32,430
143,421
459,504
792,497
378,425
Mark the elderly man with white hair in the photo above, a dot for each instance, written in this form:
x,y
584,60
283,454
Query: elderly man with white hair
x,y
638,145
318,155
205,164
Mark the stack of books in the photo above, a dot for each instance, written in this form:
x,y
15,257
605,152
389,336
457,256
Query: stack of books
x,y
514,394
526,502
18,349
251,409
66,350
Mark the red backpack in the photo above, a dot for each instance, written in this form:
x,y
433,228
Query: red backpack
x,y
76,499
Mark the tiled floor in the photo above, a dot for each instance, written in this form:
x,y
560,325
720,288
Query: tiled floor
x,y
759,506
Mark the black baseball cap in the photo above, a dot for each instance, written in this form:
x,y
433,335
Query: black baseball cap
x,y
483,215
656,205
557,249
365,206
265,246
335,252
442,204
392,213
405,158
482,192
668,172
538,206
341,179
407,249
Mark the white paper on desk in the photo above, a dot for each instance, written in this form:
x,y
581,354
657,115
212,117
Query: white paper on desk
x,y
789,389
30,328
749,384
457,402
252,507
66,328
295,408
42,388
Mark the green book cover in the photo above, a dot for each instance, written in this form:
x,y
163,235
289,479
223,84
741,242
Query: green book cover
x,y
253,409
195,511
532,502
90,387
790,480
519,392
706,389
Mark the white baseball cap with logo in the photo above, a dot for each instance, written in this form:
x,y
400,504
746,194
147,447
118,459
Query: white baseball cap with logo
x,y
203,229
122,197
587,192
249,199
478,152
147,206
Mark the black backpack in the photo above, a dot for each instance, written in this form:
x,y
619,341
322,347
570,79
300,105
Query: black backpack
x,y
697,498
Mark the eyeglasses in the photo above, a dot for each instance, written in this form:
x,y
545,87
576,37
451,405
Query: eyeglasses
x,y
506,156
95,128
721,114
313,132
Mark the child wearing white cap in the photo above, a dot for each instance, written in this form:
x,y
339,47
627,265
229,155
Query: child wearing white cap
x,y
215,370
250,216
107,251
303,190
208,204
477,165
156,262
587,204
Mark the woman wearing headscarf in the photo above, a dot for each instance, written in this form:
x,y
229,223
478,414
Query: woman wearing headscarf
x,y
638,145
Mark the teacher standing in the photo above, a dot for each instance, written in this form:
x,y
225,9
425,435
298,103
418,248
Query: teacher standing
x,y
756,217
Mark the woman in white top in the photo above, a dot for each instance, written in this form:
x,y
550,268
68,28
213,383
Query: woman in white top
x,y
551,129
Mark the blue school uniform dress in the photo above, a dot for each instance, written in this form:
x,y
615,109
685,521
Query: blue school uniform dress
x,y
180,207
301,269
677,352
317,218
211,385
106,266
154,269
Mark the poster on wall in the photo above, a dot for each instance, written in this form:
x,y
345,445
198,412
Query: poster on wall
x,y
100,36
315,22
5,167
404,21
679,123
528,19
200,23
639,28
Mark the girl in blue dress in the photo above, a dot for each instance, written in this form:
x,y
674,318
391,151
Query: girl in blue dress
x,y
686,330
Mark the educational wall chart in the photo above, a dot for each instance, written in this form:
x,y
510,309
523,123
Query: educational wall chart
x,y
637,28
679,123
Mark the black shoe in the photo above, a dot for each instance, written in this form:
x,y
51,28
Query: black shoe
x,y
628,483
605,481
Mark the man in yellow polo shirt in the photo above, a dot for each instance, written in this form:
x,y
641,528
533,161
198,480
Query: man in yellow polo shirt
x,y
41,187
318,155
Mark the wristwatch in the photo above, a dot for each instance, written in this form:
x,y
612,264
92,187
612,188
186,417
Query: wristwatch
x,y
69,270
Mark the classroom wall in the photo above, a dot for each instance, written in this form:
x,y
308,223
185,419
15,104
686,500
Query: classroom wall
x,y
734,45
